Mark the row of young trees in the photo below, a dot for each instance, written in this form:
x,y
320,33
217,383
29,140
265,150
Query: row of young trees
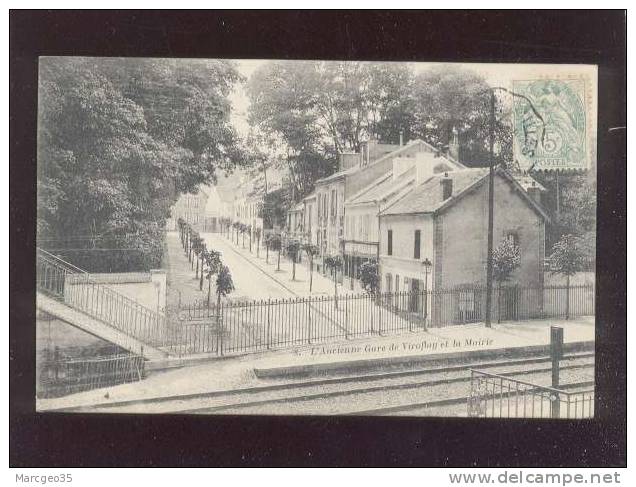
x,y
207,261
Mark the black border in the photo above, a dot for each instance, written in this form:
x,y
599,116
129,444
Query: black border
x,y
61,440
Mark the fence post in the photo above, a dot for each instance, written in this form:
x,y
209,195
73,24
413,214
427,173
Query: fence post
x,y
269,336
347,318
309,313
220,329
556,352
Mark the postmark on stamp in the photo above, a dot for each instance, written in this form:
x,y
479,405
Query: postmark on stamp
x,y
550,124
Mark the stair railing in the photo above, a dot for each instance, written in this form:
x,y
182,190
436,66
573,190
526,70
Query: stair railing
x,y
80,290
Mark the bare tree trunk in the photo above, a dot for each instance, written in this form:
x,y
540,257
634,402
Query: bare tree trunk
x,y
201,277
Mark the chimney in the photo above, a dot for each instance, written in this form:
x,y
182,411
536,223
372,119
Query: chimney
x,y
534,192
453,145
447,187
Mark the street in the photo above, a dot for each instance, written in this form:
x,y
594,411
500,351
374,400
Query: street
x,y
249,281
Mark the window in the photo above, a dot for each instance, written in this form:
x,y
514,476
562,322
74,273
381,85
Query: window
x,y
416,249
389,243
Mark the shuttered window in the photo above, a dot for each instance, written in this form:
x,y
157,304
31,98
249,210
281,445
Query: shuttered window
x,y
416,249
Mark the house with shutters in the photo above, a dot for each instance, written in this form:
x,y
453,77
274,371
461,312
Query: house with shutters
x,y
442,220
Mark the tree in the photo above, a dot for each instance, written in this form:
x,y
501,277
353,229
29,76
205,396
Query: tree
x,y
257,234
567,259
293,248
249,231
267,240
449,97
275,243
197,249
224,286
243,230
118,141
236,226
312,251
202,253
334,264
213,262
506,258
369,276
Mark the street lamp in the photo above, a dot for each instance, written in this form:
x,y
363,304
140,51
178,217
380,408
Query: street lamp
x,y
427,268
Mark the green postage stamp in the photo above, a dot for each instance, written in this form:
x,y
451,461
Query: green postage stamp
x,y
550,124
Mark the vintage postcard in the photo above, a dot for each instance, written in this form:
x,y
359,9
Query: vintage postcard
x,y
274,237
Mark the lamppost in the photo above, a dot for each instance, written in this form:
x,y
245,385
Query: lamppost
x,y
427,268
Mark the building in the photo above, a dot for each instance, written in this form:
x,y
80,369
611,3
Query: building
x,y
191,208
295,222
409,167
358,170
444,220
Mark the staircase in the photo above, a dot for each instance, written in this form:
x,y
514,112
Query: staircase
x,y
73,295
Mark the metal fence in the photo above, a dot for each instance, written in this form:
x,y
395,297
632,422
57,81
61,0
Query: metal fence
x,y
59,375
498,396
237,327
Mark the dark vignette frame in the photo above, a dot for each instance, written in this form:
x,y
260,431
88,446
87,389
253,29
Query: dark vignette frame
x,y
78,440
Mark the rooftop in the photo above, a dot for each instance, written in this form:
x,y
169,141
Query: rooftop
x,y
384,187
427,197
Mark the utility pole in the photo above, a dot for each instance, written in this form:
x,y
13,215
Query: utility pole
x,y
491,200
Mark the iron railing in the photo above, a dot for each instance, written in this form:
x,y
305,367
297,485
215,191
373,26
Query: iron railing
x,y
78,289
498,396
59,375
238,327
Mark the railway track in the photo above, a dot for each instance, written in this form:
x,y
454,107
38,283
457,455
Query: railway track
x,y
431,390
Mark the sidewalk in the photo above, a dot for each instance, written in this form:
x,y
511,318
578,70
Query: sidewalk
x,y
239,372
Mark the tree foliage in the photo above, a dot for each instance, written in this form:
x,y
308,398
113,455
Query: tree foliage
x,y
506,258
369,276
224,282
319,109
568,256
451,97
118,141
